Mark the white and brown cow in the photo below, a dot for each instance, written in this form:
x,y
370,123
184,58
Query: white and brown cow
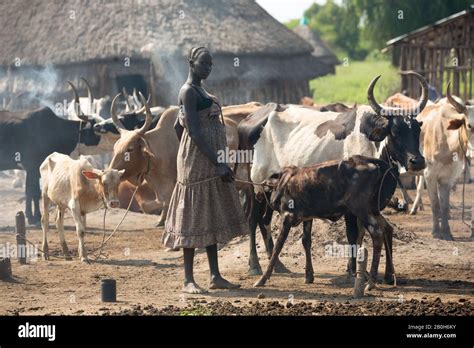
x,y
445,135
77,186
299,136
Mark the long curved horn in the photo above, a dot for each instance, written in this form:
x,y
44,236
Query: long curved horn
x,y
136,99
148,117
379,109
76,100
114,117
424,94
460,109
89,93
125,94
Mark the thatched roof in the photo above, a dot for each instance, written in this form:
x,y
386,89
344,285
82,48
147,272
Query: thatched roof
x,y
69,31
321,49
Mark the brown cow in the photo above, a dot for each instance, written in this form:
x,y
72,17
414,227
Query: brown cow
x,y
330,190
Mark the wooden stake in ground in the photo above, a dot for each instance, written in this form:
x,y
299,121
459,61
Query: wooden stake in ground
x,y
20,237
5,268
361,273
472,222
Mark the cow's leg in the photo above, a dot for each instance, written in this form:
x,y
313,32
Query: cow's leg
x,y
60,227
432,186
45,227
388,242
352,233
403,206
285,229
28,197
444,192
405,195
309,272
376,232
164,211
265,229
36,196
80,230
419,190
254,216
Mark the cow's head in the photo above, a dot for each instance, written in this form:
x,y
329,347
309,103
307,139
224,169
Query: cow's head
x,y
131,120
109,181
397,128
460,114
131,151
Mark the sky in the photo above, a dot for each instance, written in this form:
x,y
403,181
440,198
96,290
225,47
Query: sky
x,y
284,10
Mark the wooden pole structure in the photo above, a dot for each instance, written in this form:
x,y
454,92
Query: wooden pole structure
x,y
361,273
472,222
20,237
5,268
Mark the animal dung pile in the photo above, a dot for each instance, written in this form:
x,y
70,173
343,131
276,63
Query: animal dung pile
x,y
348,308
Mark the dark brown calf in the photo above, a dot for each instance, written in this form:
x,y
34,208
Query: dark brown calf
x,y
359,187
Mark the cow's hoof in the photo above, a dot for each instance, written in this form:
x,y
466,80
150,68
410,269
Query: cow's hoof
x,y
85,260
260,283
436,234
413,212
171,249
280,268
388,279
447,236
68,258
309,279
160,224
370,285
255,271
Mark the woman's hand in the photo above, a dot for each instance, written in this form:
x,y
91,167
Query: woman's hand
x,y
224,171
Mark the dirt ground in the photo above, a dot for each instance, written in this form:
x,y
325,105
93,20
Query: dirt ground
x,y
434,277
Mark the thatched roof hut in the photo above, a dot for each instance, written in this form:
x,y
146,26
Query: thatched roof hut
x,y
321,50
143,43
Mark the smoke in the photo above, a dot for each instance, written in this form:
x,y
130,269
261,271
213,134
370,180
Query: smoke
x,y
33,87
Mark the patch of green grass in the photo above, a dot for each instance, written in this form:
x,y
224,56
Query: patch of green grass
x,y
349,84
196,311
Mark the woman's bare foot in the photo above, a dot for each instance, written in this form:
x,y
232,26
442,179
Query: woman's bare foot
x,y
193,288
221,283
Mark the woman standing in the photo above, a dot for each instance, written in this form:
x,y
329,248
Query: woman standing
x,y
205,207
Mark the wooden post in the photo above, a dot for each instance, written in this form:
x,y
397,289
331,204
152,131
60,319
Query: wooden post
x,y
472,222
5,268
361,278
20,237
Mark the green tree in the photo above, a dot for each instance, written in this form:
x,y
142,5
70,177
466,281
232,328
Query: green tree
x,y
383,20
336,25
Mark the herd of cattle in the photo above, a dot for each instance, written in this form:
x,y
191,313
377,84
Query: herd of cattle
x,y
308,162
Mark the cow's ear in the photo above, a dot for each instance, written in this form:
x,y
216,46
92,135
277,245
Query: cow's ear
x,y
92,174
378,134
146,150
455,124
375,127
